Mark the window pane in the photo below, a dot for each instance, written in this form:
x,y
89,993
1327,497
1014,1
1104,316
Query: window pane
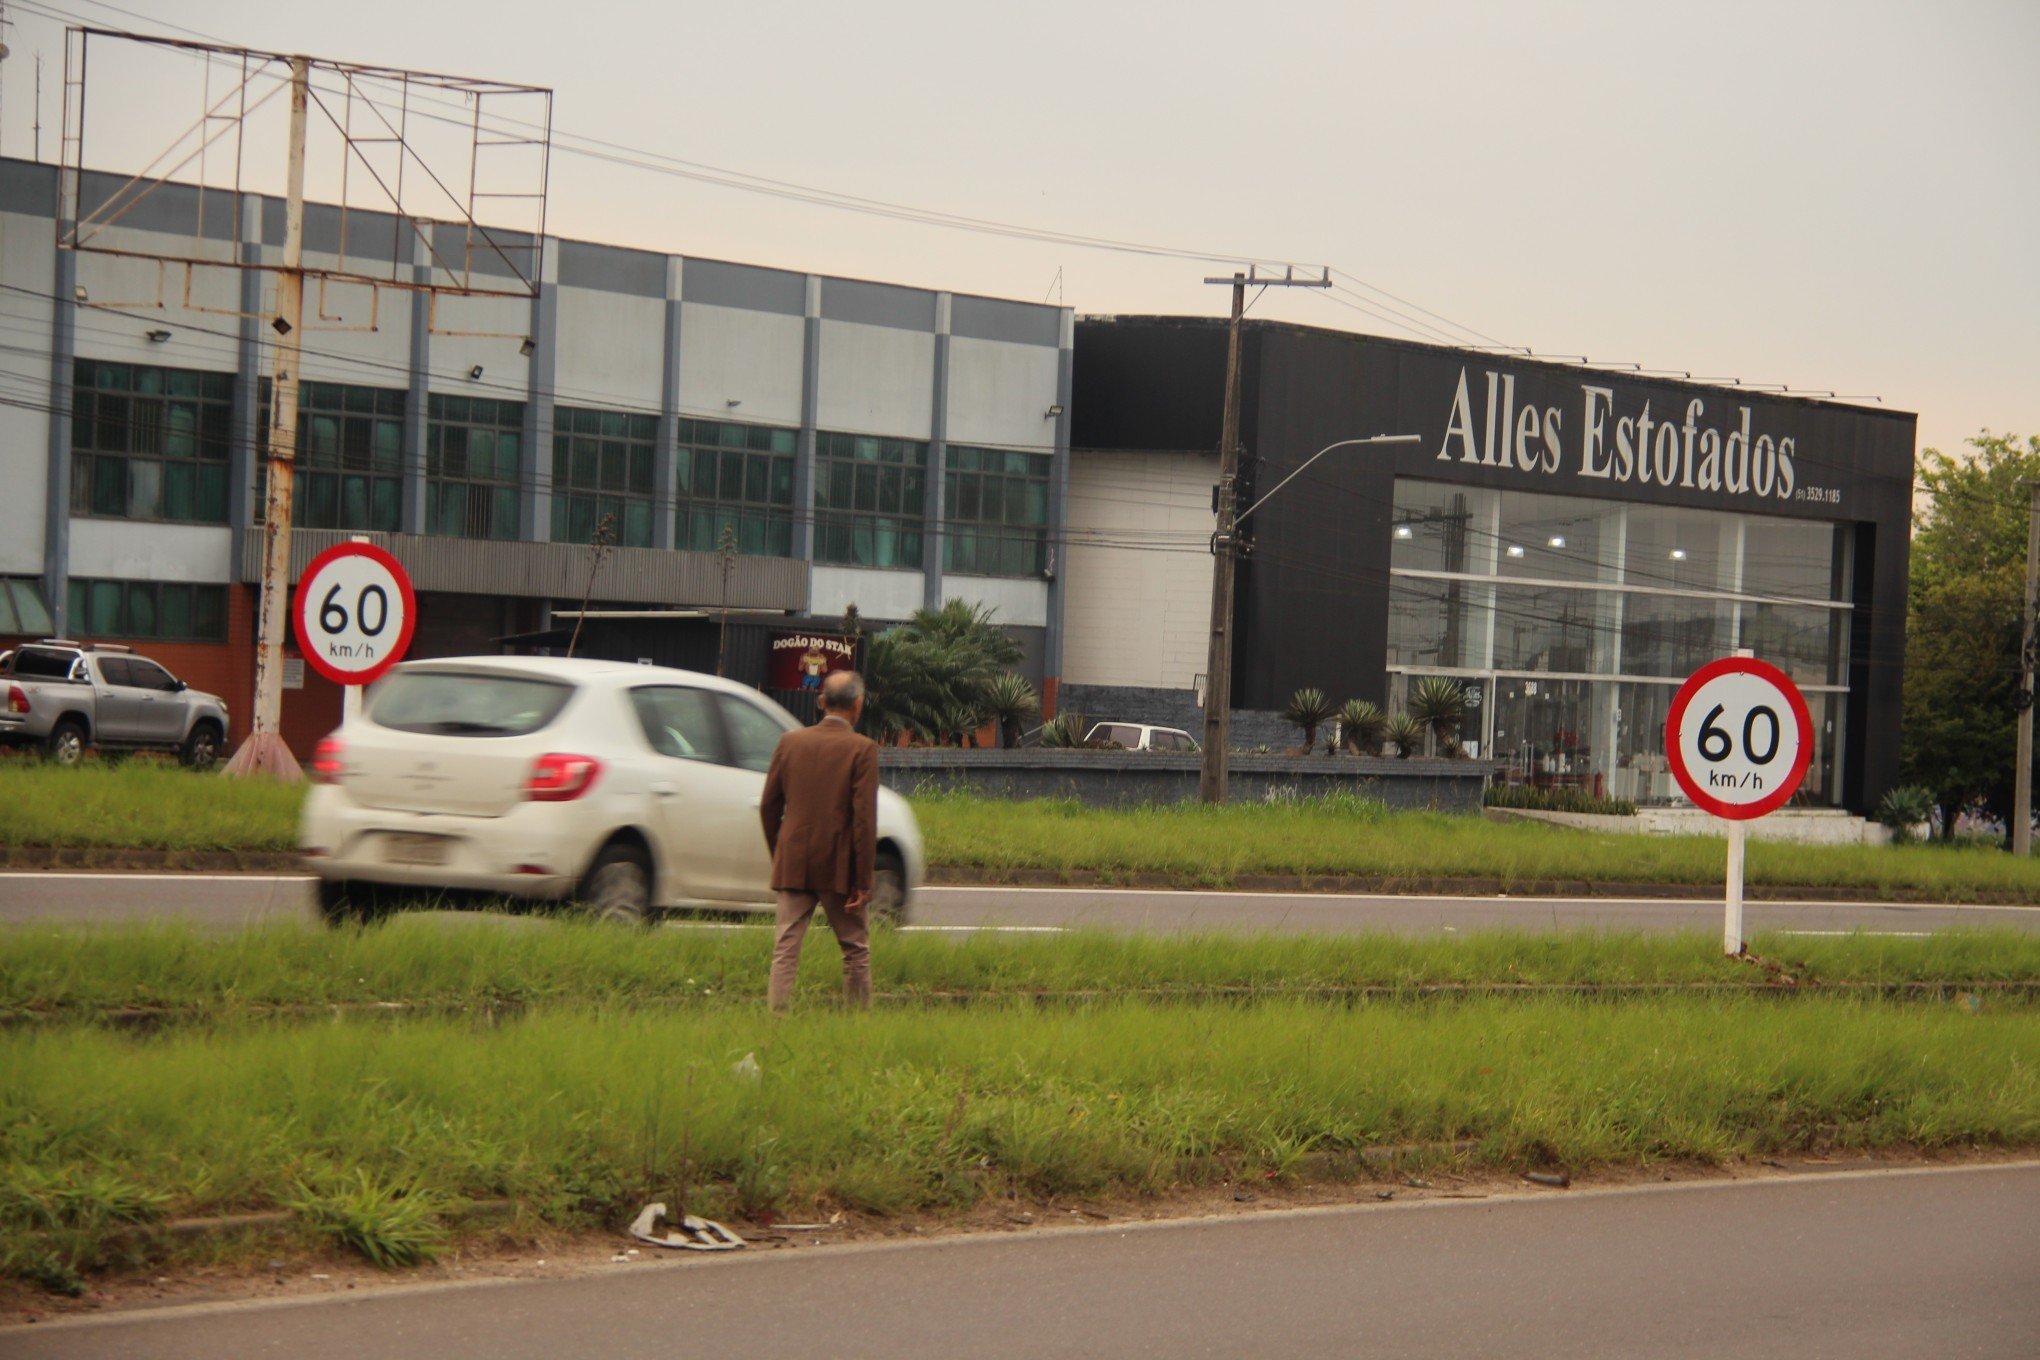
x,y
212,494
180,491
145,488
105,613
209,613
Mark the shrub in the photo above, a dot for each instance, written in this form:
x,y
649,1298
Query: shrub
x,y
1362,724
1405,732
1439,704
1904,808
1064,730
1309,709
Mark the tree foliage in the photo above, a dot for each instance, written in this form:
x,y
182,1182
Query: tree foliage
x,y
932,676
1964,606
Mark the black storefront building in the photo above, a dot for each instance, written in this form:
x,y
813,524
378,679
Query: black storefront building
x,y
1567,542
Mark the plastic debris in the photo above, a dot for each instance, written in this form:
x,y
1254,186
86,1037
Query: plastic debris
x,y
695,1234
746,1068
1557,1181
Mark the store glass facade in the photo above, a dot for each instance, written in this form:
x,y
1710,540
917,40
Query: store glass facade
x,y
1572,621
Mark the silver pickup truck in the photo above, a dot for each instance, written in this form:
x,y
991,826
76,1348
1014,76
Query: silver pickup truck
x,y
65,696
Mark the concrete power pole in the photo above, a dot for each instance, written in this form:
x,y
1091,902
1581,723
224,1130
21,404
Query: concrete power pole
x,y
264,752
2022,795
1211,780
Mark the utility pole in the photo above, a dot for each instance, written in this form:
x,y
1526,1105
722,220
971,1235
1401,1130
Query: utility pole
x,y
264,752
2022,795
1211,780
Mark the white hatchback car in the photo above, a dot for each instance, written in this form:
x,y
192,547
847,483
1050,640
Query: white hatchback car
x,y
628,788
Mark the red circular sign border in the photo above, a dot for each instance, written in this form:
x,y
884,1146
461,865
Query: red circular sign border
x,y
297,613
1763,670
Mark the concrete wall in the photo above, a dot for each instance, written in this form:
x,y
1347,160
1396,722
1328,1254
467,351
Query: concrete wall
x,y
751,358
1132,778
1140,525
999,394
27,261
612,351
1014,601
879,595
876,380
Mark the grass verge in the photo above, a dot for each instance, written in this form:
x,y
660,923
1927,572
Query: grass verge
x,y
1340,837
372,1134
158,807
66,973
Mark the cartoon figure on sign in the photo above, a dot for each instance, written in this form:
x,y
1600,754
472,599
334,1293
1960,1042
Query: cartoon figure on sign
x,y
813,663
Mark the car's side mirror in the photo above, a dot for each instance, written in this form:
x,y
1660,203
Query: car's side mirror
x,y
178,687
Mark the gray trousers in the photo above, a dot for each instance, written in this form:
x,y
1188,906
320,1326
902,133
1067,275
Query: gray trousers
x,y
796,909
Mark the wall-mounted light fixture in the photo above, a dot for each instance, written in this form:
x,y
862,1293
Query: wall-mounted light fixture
x,y
280,326
1052,412
1515,550
1558,540
475,372
1678,554
734,402
1404,531
526,347
80,294
158,336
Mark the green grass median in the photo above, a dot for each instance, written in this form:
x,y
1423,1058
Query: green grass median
x,y
105,809
371,1135
367,1086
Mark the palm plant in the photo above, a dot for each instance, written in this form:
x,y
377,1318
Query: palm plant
x,y
930,676
1405,732
1010,702
1362,723
1439,704
1308,709
1064,730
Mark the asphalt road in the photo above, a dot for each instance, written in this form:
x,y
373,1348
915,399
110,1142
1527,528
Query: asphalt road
x,y
230,901
1886,1264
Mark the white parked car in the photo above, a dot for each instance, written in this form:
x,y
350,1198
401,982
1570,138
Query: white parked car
x,y
1143,737
628,788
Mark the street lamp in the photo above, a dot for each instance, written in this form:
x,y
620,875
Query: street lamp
x,y
1218,691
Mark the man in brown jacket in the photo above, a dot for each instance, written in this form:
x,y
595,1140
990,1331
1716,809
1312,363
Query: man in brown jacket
x,y
820,811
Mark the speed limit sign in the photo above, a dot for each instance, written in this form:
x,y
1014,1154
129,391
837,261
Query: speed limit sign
x,y
1738,739
355,613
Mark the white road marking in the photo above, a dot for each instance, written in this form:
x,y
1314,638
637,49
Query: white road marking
x,y
1497,898
162,878
1882,934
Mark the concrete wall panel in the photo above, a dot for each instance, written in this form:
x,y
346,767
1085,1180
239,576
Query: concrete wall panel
x,y
1015,602
135,550
732,355
876,380
1000,394
27,251
611,350
880,596
1143,610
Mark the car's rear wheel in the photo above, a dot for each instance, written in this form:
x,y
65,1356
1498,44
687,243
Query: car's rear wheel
x,y
618,886
889,889
202,747
65,745
349,904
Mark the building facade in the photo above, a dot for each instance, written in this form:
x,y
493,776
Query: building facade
x,y
855,443
1568,544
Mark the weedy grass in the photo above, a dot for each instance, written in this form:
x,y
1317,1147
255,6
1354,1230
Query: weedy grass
x,y
143,804
485,962
371,1132
1335,837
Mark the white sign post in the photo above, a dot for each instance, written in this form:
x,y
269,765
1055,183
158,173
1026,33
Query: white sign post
x,y
1738,738
355,615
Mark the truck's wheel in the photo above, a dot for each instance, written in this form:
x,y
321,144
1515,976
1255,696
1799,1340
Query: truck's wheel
x,y
65,745
889,890
202,748
618,888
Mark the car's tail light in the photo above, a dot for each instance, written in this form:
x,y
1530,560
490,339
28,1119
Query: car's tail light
x,y
327,762
558,778
17,699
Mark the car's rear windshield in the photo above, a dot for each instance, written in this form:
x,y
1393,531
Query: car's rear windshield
x,y
42,664
467,703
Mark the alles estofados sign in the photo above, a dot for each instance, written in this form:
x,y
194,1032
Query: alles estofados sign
x,y
1617,441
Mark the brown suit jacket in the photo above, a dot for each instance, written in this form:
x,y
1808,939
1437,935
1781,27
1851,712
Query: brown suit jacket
x,y
820,809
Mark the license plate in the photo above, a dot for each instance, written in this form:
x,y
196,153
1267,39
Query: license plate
x,y
414,849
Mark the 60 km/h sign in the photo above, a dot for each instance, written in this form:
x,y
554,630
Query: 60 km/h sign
x,y
1738,739
355,613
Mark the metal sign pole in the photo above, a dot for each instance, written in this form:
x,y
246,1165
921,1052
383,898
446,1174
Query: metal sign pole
x,y
1731,925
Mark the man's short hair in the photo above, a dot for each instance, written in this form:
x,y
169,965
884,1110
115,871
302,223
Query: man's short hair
x,y
841,690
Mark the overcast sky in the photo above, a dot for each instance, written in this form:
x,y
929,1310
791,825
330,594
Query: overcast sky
x,y
1837,196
